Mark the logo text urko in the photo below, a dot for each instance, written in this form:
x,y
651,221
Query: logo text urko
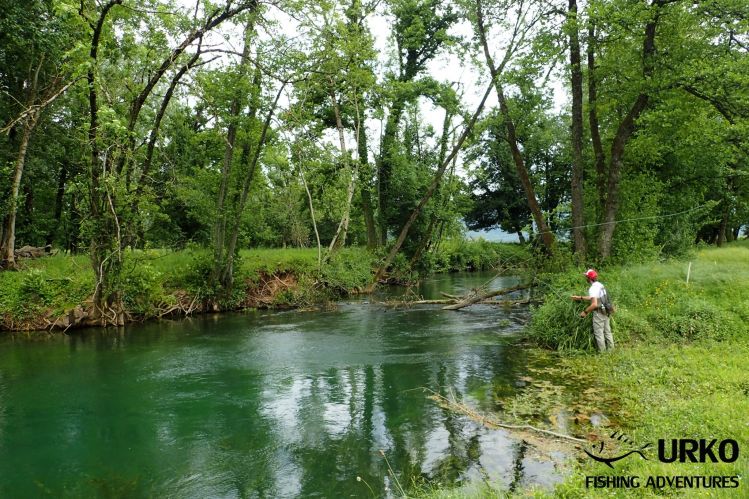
x,y
697,451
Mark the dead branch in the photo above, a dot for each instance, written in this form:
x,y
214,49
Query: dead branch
x,y
475,296
453,404
453,301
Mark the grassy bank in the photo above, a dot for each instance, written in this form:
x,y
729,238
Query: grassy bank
x,y
45,292
159,282
679,371
655,303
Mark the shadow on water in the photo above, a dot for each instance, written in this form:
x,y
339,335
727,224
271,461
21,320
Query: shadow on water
x,y
265,404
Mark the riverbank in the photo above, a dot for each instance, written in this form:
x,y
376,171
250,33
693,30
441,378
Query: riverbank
x,y
55,292
678,372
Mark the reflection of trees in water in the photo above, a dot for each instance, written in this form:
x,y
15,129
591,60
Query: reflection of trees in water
x,y
518,472
462,454
273,433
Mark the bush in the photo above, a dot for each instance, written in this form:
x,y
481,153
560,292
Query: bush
x,y
347,269
142,289
34,288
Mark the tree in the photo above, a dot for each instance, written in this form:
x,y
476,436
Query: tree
x,y
36,70
420,31
517,40
576,85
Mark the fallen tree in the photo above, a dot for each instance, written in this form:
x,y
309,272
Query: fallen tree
x,y
453,302
475,296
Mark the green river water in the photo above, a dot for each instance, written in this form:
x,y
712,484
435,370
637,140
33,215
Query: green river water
x,y
264,404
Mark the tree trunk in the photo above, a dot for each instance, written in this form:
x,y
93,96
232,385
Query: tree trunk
x,y
365,187
426,240
339,239
578,234
105,299
623,134
723,224
311,211
59,199
543,229
9,231
73,235
220,258
153,136
595,134
546,236
385,165
228,271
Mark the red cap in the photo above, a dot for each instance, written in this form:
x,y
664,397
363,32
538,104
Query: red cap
x,y
591,274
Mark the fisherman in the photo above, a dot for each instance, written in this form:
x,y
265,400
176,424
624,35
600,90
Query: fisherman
x,y
601,321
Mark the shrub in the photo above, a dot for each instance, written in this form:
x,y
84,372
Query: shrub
x,y
142,290
347,269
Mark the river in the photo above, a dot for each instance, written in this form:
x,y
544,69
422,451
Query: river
x,y
265,403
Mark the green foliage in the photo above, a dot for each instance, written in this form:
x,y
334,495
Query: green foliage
x,y
556,324
142,289
49,285
635,241
347,269
471,255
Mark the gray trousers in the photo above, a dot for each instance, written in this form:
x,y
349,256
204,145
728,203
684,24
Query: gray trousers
x,y
602,331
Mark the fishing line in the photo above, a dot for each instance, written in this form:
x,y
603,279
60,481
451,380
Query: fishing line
x,y
668,215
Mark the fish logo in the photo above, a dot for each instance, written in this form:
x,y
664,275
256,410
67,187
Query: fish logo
x,y
598,453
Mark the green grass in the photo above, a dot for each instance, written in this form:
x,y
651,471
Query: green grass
x,y
680,368
672,391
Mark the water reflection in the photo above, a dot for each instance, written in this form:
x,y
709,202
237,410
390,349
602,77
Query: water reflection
x,y
259,405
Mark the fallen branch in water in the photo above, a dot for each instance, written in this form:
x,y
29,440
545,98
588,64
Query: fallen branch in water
x,y
452,301
475,297
454,405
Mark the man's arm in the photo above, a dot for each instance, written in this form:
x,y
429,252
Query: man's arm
x,y
593,303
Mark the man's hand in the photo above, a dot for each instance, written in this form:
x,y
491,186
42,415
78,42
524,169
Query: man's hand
x,y
575,298
583,314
